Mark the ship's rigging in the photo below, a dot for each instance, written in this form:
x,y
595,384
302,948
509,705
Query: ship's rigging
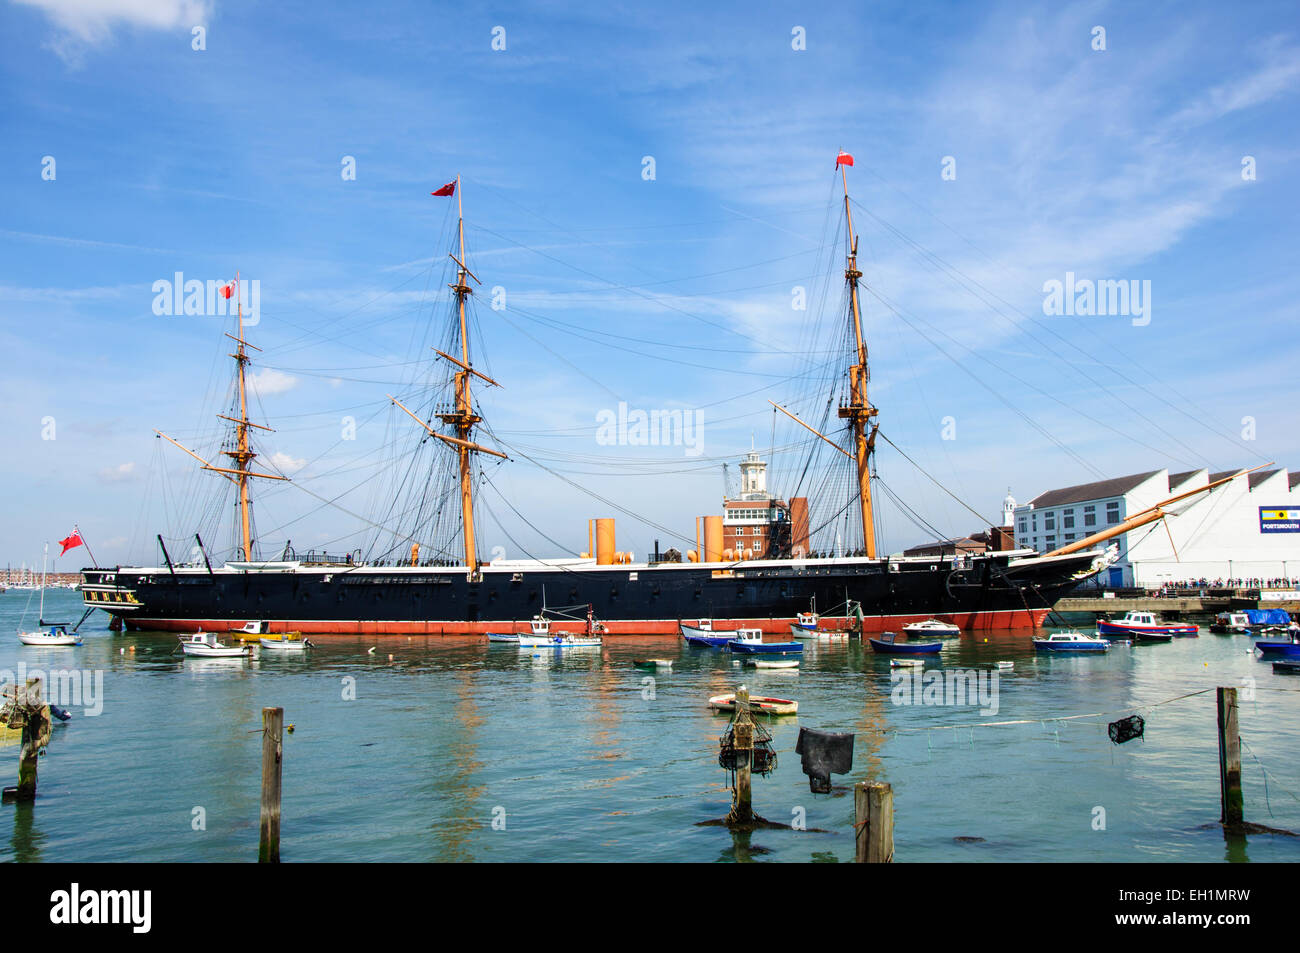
x,y
426,506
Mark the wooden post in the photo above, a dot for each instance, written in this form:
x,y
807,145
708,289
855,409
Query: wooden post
x,y
873,803
268,848
742,810
1229,759
26,704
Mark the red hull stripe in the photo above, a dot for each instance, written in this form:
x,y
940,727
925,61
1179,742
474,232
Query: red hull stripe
x,y
966,620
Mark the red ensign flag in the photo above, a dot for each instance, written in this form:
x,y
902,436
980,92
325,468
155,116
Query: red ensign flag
x,y
227,289
71,542
843,159
448,189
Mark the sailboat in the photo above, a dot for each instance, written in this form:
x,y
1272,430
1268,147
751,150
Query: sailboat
x,y
57,633
458,593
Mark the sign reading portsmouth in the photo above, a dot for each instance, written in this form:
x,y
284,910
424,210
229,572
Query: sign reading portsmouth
x,y
1279,519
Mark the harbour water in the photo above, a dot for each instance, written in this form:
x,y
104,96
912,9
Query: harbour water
x,y
457,750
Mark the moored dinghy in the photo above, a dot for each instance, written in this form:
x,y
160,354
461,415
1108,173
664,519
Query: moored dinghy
x,y
758,704
290,643
773,663
887,644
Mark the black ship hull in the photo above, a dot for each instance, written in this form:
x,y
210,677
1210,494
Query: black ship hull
x,y
997,590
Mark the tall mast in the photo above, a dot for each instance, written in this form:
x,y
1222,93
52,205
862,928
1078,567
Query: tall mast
x,y
462,419
243,453
859,410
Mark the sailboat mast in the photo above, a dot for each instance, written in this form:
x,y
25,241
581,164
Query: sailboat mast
x,y
44,560
859,410
242,454
464,418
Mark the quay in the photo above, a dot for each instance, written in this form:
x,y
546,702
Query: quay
x,y
1173,603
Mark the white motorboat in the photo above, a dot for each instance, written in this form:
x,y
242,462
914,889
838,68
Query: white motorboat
x,y
932,627
286,644
205,645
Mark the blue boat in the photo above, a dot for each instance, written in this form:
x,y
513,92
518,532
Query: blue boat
x,y
753,644
886,645
1071,642
1289,649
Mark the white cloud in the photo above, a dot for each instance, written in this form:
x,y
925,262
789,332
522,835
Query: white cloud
x,y
118,474
83,23
268,382
285,463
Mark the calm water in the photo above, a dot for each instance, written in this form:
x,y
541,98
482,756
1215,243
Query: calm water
x,y
584,766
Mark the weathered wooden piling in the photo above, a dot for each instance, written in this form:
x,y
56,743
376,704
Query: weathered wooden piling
x,y
742,810
873,803
1229,760
24,708
268,848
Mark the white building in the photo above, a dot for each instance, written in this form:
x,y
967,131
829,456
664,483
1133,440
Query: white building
x,y
1247,529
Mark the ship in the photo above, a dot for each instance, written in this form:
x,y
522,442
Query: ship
x,y
458,593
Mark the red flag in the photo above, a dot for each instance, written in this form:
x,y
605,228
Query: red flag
x,y
448,189
227,289
72,541
843,159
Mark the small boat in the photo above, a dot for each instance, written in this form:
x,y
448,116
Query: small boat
x,y
906,663
1136,622
750,642
1231,623
1071,641
255,629
758,704
1289,649
653,663
806,621
205,645
560,640
932,627
887,645
541,637
284,644
773,663
702,635
511,637
57,634
1285,667
1006,666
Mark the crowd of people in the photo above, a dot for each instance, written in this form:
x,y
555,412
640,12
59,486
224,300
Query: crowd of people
x,y
1247,583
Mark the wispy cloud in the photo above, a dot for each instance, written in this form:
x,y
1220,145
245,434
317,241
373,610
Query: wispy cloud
x,y
80,24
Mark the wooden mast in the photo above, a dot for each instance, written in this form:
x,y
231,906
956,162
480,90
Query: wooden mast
x,y
243,453
464,418
859,410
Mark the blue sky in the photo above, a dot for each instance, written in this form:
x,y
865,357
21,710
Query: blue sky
x,y
1122,163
